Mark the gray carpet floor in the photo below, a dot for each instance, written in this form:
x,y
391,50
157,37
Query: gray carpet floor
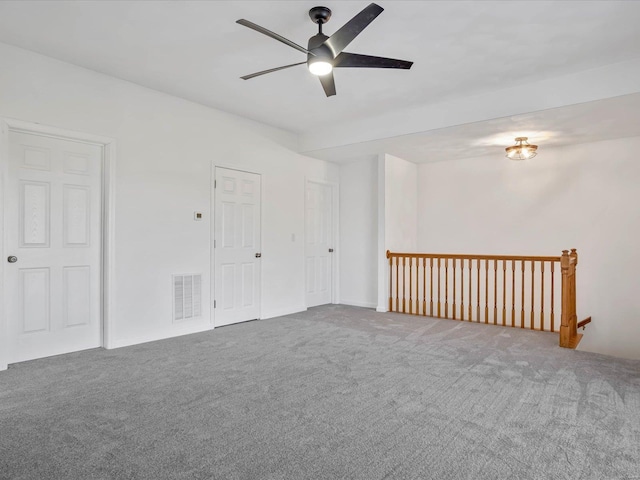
x,y
333,393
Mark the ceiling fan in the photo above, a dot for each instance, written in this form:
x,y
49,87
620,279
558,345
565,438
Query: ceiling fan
x,y
326,53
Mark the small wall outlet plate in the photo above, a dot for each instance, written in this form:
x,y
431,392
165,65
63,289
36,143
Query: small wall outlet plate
x,y
197,216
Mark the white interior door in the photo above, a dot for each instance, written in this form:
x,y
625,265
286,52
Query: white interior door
x,y
53,228
319,243
237,246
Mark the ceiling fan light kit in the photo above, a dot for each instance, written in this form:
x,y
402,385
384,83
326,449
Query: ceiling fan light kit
x,y
324,53
522,150
320,67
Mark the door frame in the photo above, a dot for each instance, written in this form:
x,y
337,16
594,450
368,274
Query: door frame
x,y
335,234
212,237
107,295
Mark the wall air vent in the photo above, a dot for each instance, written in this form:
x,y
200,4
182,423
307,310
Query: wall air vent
x,y
187,296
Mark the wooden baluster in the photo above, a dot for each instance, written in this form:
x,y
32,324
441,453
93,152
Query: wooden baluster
x,y
424,286
404,285
462,289
438,287
470,282
522,306
431,287
486,291
478,292
397,284
417,305
533,267
390,281
504,292
542,296
446,288
454,288
495,291
410,284
417,299
513,293
553,327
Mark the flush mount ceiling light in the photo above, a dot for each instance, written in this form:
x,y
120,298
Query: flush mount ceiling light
x,y
521,150
326,53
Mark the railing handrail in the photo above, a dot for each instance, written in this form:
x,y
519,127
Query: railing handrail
x,y
526,258
409,281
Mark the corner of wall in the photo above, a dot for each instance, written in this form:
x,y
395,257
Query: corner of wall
x,y
382,247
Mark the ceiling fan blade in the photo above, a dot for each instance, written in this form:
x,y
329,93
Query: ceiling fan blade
x,y
350,30
271,34
367,61
257,74
328,83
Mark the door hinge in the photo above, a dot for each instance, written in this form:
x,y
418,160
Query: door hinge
x,y
215,184
214,304
214,244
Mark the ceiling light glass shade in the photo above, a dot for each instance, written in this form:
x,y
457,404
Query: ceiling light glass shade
x,y
320,67
521,150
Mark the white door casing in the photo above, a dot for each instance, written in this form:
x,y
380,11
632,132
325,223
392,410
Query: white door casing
x,y
319,243
237,235
53,219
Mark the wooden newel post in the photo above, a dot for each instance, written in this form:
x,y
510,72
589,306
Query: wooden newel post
x,y
569,329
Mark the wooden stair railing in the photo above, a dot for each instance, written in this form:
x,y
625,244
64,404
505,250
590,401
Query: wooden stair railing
x,y
507,290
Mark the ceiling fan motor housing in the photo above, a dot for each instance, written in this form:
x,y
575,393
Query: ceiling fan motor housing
x,y
319,51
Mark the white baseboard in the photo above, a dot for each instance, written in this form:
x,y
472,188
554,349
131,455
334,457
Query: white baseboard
x,y
162,335
196,328
3,366
282,312
383,309
357,303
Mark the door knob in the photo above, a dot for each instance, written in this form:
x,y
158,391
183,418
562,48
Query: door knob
x,y
258,255
12,259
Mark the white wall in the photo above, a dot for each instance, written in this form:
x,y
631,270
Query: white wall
x,y
358,233
583,197
166,148
401,204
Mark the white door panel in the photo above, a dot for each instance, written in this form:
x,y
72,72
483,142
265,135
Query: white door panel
x,y
237,241
53,225
319,243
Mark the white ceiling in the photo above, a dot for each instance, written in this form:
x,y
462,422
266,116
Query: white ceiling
x,y
195,50
607,119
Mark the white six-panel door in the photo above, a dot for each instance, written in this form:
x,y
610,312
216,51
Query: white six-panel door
x,y
237,203
319,243
53,229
